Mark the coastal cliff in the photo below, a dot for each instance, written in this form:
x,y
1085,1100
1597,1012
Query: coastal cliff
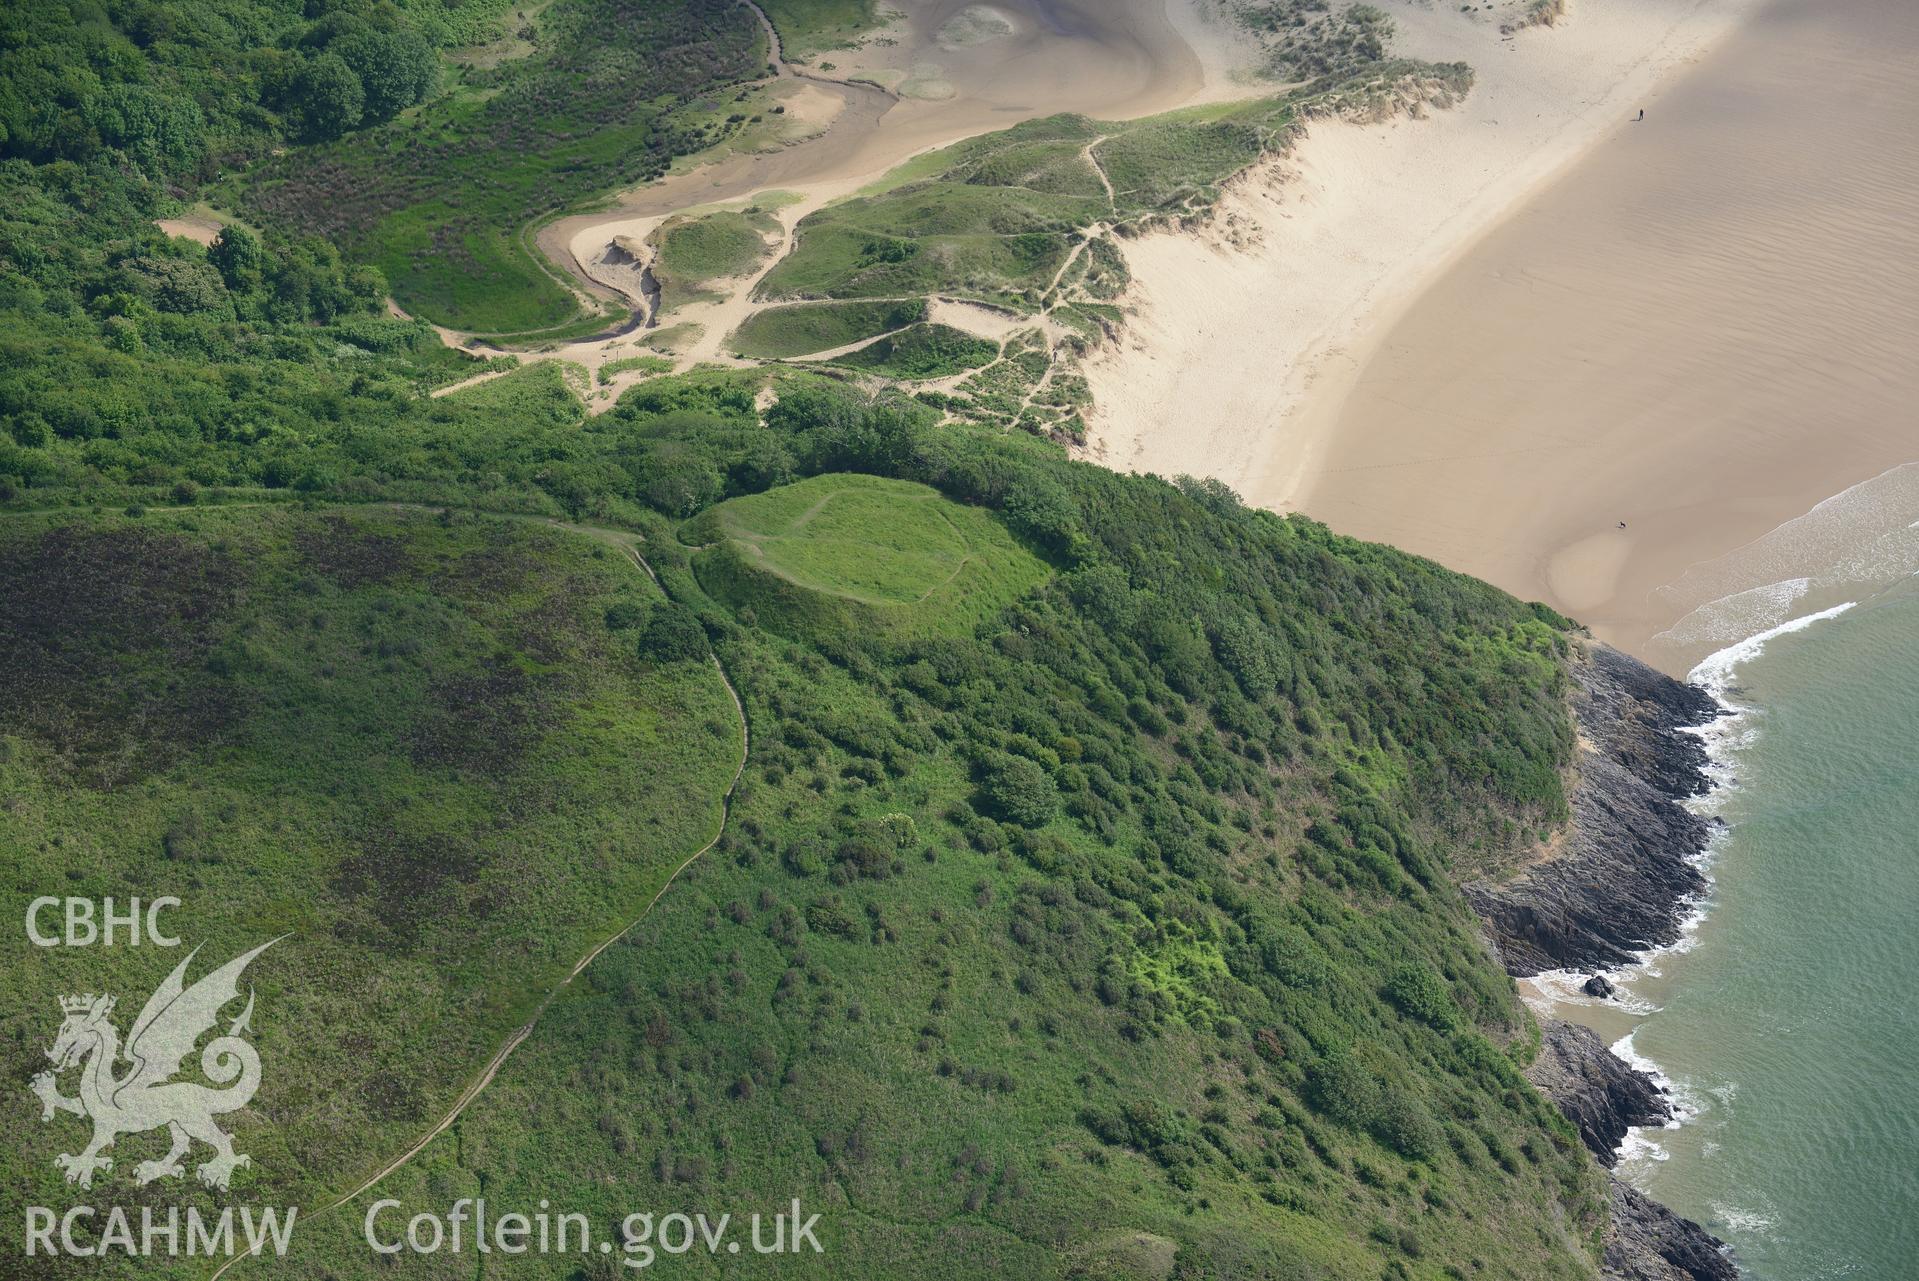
x,y
1647,1242
1597,1090
1622,879
1602,1096
1618,884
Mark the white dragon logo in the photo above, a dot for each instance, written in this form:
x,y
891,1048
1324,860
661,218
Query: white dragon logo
x,y
146,1098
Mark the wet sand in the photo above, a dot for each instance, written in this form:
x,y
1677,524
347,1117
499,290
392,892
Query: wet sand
x,y
1703,330
1242,326
936,83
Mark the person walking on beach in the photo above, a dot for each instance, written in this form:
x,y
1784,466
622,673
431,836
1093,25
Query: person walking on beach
x,y
1641,116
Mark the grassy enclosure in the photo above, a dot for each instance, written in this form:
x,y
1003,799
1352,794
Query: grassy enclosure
x,y
861,551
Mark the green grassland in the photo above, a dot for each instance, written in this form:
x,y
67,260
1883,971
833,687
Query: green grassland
x,y
696,251
780,333
532,393
1085,906
810,27
413,746
843,553
922,352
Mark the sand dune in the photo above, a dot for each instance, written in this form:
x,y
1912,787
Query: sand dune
x,y
947,70
994,65
1237,322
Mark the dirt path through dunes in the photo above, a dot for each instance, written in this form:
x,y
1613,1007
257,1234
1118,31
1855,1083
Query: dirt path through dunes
x,y
927,85
941,72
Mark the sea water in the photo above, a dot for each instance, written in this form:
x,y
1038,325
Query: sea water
x,y
1786,1023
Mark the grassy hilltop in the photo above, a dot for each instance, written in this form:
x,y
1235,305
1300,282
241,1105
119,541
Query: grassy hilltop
x,y
1082,907
1096,924
853,554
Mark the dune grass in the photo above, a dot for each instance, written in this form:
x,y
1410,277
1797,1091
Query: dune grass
x,y
713,246
627,364
996,217
780,333
810,27
994,223
922,352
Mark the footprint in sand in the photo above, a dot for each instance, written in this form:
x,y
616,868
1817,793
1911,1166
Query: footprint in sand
x,y
927,81
1586,573
976,24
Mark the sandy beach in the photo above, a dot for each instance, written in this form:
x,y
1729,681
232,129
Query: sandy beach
x,y
1503,330
1703,331
1309,257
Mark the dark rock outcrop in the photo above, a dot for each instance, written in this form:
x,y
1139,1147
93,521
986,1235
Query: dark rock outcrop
x,y
1647,1242
1597,986
1621,882
1618,885
1596,1090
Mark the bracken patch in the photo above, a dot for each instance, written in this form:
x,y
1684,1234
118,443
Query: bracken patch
x,y
109,640
350,556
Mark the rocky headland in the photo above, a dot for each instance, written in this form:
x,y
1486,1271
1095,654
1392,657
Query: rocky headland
x,y
1622,879
1597,1090
1620,882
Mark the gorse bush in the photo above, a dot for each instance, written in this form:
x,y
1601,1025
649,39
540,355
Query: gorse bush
x,y
1021,791
1421,993
672,635
1083,905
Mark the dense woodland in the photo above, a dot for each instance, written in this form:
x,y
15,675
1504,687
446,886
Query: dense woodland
x,y
1100,922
